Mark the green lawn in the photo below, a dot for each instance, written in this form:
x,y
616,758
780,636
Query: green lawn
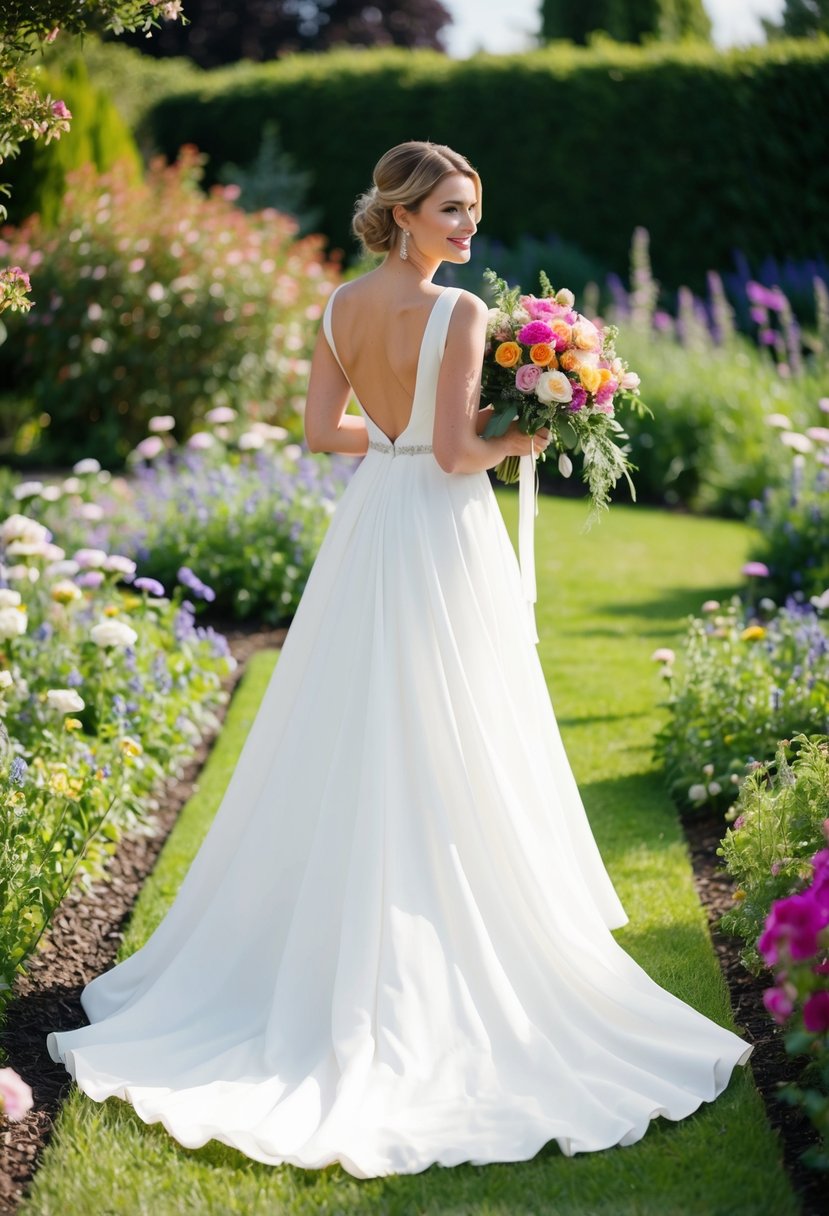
x,y
608,598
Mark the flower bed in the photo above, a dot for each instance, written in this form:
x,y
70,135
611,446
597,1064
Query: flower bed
x,y
104,693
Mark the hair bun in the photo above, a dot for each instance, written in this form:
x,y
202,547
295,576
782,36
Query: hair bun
x,y
373,224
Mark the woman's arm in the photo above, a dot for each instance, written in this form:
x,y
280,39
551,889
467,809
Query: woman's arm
x,y
327,426
456,440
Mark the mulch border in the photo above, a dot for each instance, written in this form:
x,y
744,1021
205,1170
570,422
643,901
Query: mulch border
x,y
84,937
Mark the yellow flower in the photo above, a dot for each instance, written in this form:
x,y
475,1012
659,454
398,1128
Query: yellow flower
x,y
739,895
72,724
111,610
753,633
130,747
508,354
130,602
606,374
65,591
58,783
728,740
590,378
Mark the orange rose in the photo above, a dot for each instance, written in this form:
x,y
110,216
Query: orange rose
x,y
508,354
606,374
568,361
542,354
590,378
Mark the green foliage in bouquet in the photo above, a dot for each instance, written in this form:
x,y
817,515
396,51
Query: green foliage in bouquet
x,y
743,684
545,365
154,299
777,826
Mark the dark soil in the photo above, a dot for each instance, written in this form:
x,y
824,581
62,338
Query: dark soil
x,y
85,935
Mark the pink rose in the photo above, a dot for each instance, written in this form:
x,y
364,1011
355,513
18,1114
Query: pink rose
x,y
15,1095
630,381
535,331
526,378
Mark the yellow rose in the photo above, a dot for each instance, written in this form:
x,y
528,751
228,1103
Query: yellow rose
x,y
508,354
568,361
542,354
590,378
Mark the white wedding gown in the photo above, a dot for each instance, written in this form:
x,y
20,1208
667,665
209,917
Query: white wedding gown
x,y
393,947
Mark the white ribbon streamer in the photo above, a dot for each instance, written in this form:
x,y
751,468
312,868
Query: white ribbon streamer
x,y
527,511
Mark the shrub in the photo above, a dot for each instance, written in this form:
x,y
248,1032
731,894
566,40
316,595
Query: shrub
x,y
778,825
744,684
156,299
793,518
104,692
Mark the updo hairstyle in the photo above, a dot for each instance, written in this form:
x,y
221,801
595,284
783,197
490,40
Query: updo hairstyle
x,y
406,174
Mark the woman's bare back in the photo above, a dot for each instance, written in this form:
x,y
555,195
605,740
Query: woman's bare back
x,y
378,331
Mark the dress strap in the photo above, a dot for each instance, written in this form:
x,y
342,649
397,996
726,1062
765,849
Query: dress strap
x,y
451,294
326,327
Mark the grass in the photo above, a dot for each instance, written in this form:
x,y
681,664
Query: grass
x,y
607,598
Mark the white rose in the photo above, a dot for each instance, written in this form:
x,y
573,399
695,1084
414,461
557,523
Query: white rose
x,y
113,633
585,335
9,598
20,527
553,386
65,700
13,623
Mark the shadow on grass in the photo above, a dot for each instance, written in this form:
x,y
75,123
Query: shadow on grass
x,y
672,605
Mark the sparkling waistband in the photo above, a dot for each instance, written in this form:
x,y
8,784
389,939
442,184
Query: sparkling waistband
x,y
402,449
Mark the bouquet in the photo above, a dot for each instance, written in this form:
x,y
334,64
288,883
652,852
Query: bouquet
x,y
548,366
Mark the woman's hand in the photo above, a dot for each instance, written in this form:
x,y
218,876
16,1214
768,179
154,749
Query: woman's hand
x,y
519,444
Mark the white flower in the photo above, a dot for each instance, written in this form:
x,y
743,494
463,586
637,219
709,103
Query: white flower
x,y
9,598
292,450
663,655
20,527
269,432
113,633
779,420
6,680
86,466
796,441
65,700
200,441
149,448
221,413
708,769
24,574
51,493
565,298
630,381
714,788
22,548
697,793
72,485
821,602
90,559
62,569
161,422
27,489
710,605
251,441
13,623
91,512
64,591
115,563
156,291
553,386
565,465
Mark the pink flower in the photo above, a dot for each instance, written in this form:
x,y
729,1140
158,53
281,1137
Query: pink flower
x,y
605,392
793,923
630,381
60,110
755,570
538,308
535,331
779,1005
526,378
579,397
816,1012
15,1095
663,655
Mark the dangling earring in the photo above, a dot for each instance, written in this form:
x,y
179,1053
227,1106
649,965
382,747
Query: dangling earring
x,y
404,245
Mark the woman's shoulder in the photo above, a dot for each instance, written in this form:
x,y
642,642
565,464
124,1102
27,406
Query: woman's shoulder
x,y
469,309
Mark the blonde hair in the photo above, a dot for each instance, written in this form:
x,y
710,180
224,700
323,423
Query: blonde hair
x,y
405,175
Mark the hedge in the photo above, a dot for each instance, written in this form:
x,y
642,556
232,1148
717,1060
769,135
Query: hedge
x,y
711,151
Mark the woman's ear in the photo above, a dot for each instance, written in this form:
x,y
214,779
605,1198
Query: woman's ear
x,y
400,215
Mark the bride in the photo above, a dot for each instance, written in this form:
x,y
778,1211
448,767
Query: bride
x,y
394,946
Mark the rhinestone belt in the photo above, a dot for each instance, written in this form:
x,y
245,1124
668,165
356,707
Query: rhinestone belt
x,y
404,449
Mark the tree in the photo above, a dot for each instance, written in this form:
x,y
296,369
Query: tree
x,y
624,20
800,19
220,33
25,113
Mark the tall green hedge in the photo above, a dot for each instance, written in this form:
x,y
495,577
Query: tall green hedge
x,y
711,151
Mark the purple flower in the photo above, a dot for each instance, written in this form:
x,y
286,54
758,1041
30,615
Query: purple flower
x,y
90,578
526,378
578,399
74,679
816,1012
18,770
193,583
151,585
778,1003
755,570
535,331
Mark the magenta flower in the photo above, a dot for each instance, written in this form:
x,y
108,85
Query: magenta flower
x,y
579,397
535,331
778,1004
60,110
526,378
816,1012
755,570
793,924
605,392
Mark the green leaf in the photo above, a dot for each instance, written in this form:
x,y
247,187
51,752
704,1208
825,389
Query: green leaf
x,y
499,422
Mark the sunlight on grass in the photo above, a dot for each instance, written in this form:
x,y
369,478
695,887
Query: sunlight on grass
x,y
607,599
